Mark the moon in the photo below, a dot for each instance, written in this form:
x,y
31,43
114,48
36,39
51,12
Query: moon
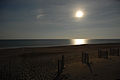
x,y
79,14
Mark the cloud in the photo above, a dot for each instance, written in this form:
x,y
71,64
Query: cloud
x,y
39,16
38,13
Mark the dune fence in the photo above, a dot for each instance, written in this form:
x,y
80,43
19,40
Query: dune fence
x,y
46,67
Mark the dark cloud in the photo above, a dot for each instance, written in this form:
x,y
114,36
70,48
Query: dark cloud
x,y
117,0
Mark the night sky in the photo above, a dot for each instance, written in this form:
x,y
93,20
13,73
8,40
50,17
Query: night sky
x,y
55,19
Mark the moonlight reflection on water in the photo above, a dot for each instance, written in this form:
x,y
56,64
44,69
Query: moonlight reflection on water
x,y
78,41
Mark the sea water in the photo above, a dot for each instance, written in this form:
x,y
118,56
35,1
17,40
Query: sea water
x,y
52,42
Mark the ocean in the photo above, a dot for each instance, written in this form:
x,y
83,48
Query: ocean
x,y
52,42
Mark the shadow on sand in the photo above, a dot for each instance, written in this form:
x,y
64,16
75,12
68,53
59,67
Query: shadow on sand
x,y
90,67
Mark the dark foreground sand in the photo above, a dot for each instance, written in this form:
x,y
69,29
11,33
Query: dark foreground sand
x,y
41,63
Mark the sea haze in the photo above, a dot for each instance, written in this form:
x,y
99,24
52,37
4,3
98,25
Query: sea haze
x,y
52,42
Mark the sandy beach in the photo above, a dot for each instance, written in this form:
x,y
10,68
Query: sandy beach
x,y
42,63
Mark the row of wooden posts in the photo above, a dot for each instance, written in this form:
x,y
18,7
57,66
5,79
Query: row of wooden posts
x,y
85,57
108,52
61,62
101,54
60,67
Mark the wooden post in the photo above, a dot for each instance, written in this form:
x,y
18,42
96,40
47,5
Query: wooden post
x,y
117,51
99,53
106,54
61,65
58,67
62,62
82,57
110,52
87,58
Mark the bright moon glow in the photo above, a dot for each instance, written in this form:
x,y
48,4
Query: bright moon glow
x,y
79,14
79,41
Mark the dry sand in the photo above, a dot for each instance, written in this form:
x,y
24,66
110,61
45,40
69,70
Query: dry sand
x,y
41,63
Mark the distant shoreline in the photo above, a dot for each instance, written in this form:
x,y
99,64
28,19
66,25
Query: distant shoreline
x,y
56,46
